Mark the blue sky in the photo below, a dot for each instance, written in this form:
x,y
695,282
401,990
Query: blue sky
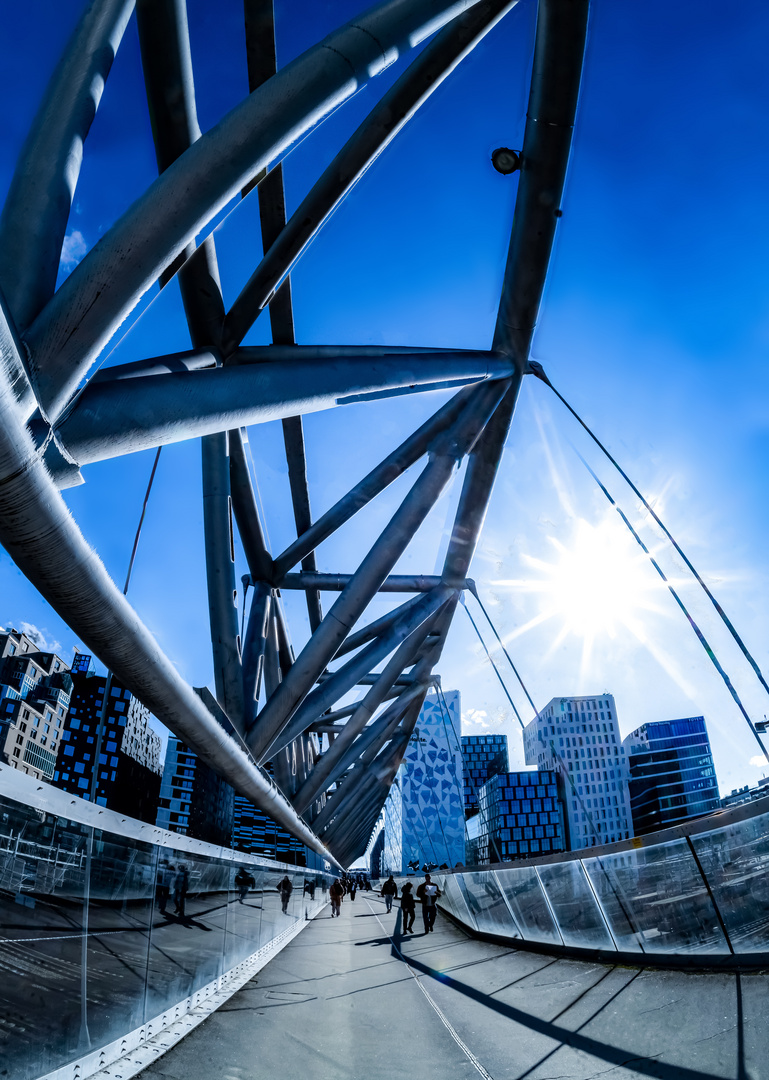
x,y
654,326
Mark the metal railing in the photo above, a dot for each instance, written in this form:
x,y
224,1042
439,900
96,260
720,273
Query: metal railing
x,y
112,930
694,893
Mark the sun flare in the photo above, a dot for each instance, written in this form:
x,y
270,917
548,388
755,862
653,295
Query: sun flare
x,y
599,582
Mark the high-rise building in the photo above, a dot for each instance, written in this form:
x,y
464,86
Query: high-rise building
x,y
129,766
35,690
482,756
253,831
672,777
579,738
194,800
430,828
520,814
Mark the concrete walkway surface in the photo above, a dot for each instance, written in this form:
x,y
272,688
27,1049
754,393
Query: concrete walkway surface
x,y
353,999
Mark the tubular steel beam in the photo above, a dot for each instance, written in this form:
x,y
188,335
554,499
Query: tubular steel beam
x,y
220,577
393,466
382,124
373,629
450,447
112,418
261,56
254,649
41,537
345,748
246,513
416,583
167,64
339,682
36,211
555,78
78,321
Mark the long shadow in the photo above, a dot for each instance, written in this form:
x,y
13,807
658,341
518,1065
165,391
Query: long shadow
x,y
614,1055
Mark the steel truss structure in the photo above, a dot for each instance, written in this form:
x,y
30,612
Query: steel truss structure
x,y
56,415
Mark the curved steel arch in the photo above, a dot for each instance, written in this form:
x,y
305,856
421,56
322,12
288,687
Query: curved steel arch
x,y
53,418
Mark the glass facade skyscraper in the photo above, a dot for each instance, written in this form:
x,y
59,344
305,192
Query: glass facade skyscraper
x,y
579,738
672,777
424,812
482,756
520,814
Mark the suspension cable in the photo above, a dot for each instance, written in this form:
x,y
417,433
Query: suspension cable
x,y
141,522
536,369
474,591
489,658
700,636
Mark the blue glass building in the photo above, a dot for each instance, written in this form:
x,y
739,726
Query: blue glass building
x,y
424,813
482,756
519,814
672,777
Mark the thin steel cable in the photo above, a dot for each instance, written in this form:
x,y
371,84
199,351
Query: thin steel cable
x,y
539,372
489,658
700,636
474,591
141,522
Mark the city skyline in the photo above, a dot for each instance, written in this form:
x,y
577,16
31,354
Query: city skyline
x,y
639,319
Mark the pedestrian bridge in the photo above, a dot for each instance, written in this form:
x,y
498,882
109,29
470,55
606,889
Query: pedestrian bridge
x,y
645,958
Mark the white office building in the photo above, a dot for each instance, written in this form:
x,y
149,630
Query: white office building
x,y
580,738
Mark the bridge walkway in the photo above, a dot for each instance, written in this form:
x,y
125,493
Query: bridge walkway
x,y
353,999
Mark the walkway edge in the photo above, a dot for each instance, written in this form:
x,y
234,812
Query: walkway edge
x,y
126,1056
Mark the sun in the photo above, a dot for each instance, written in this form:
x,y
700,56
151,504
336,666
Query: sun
x,y
599,582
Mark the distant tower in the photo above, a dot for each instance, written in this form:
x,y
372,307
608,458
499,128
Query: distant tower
x,y
672,777
579,737
483,756
194,800
429,797
129,761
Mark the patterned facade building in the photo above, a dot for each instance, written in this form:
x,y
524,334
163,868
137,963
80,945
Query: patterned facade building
x,y
483,756
431,830
129,768
35,690
672,776
579,738
520,814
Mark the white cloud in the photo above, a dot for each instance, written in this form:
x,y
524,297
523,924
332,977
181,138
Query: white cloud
x,y
40,638
72,250
759,761
475,717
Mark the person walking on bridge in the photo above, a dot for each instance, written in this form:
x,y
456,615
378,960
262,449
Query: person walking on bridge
x,y
285,888
389,890
428,893
408,907
336,892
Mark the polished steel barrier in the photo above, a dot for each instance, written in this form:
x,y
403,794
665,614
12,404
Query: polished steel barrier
x,y
96,962
696,893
